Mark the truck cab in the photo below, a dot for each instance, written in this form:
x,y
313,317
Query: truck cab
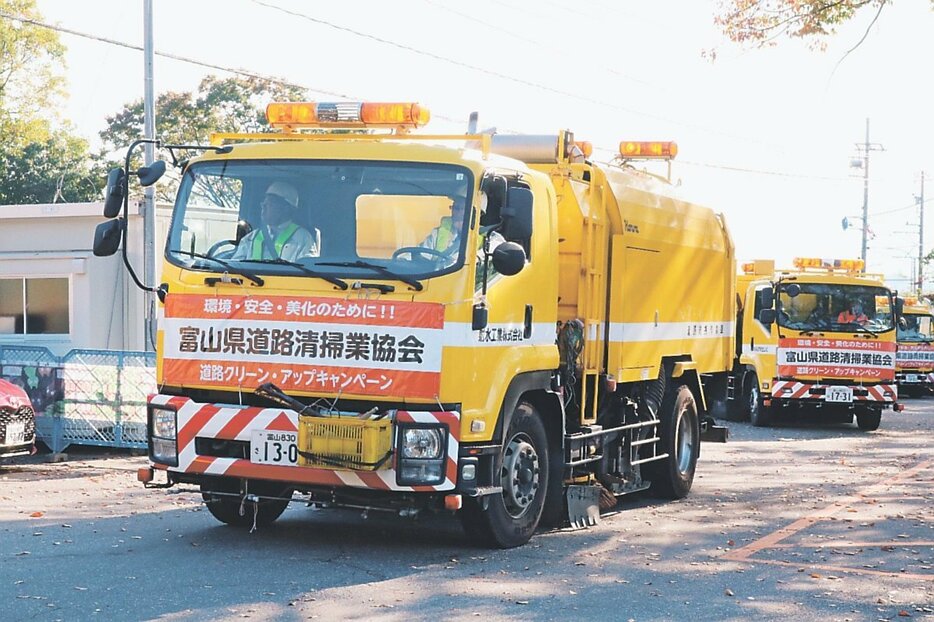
x,y
914,365
817,340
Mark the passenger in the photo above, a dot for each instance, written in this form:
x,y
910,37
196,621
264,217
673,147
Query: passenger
x,y
280,236
446,237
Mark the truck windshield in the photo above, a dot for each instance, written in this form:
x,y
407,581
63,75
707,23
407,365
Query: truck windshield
x,y
916,327
371,220
834,307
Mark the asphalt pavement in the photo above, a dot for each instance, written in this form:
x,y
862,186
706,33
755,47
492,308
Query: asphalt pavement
x,y
798,522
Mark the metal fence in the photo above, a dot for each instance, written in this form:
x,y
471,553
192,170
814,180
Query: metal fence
x,y
87,397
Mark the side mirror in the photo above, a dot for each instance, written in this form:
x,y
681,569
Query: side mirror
x,y
517,214
148,175
508,258
243,229
113,195
107,237
899,306
767,317
793,290
767,297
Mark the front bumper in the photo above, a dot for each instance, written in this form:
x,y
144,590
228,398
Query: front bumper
x,y
792,392
23,419
915,378
217,440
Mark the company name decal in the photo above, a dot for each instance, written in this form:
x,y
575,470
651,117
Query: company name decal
x,y
312,344
836,358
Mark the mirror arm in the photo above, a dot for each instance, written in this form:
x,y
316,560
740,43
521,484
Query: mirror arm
x,y
126,212
216,149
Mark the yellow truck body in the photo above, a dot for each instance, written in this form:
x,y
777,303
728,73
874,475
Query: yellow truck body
x,y
566,352
818,339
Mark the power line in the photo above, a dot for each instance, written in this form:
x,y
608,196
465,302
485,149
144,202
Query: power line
x,y
283,82
502,76
191,61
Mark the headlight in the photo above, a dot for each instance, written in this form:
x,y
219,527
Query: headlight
x,y
421,454
163,423
422,443
163,430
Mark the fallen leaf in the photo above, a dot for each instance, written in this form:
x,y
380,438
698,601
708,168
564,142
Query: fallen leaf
x,y
904,614
37,514
814,575
729,592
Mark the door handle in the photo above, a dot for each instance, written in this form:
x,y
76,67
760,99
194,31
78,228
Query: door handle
x,y
527,332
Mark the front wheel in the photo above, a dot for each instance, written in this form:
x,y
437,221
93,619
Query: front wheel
x,y
225,502
869,421
523,464
680,439
759,414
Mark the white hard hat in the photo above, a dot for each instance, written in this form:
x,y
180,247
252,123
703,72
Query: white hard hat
x,y
284,191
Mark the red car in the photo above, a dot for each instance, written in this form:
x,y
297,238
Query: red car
x,y
17,421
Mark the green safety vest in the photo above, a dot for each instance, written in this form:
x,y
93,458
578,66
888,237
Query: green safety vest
x,y
279,242
445,233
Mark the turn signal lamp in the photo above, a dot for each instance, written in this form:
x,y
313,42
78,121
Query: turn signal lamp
x,y
347,114
749,268
648,150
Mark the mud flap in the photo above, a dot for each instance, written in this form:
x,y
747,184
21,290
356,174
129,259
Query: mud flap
x,y
711,432
583,506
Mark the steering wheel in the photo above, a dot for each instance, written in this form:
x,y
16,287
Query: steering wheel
x,y
428,253
215,248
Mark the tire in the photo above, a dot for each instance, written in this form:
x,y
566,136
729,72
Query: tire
x,y
758,414
680,439
523,464
869,420
226,508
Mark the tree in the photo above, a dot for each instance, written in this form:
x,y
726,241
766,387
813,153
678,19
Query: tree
x,y
41,160
229,105
763,22
57,169
29,58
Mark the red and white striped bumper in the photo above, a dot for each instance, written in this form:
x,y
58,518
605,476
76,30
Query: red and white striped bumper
x,y
914,377
794,390
235,423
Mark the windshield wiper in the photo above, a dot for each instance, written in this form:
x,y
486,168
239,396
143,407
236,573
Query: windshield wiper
x,y
382,270
861,328
245,273
305,270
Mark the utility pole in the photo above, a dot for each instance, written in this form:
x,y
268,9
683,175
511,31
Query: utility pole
x,y
865,148
149,202
920,200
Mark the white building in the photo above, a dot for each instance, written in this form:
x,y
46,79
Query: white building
x,y
55,293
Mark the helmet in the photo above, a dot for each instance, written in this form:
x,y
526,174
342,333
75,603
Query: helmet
x,y
284,191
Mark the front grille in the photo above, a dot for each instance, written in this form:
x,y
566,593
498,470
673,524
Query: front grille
x,y
221,448
22,414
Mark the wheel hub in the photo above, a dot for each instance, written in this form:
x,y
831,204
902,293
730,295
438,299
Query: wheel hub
x,y
519,476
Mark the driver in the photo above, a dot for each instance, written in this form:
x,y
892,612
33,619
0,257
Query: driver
x,y
853,314
279,237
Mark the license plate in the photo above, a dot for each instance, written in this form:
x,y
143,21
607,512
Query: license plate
x,y
15,433
912,378
839,394
274,447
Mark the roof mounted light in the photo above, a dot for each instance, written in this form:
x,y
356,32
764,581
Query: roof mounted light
x,y
651,150
347,114
848,265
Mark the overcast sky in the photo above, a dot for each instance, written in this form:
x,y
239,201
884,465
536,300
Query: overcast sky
x,y
766,136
